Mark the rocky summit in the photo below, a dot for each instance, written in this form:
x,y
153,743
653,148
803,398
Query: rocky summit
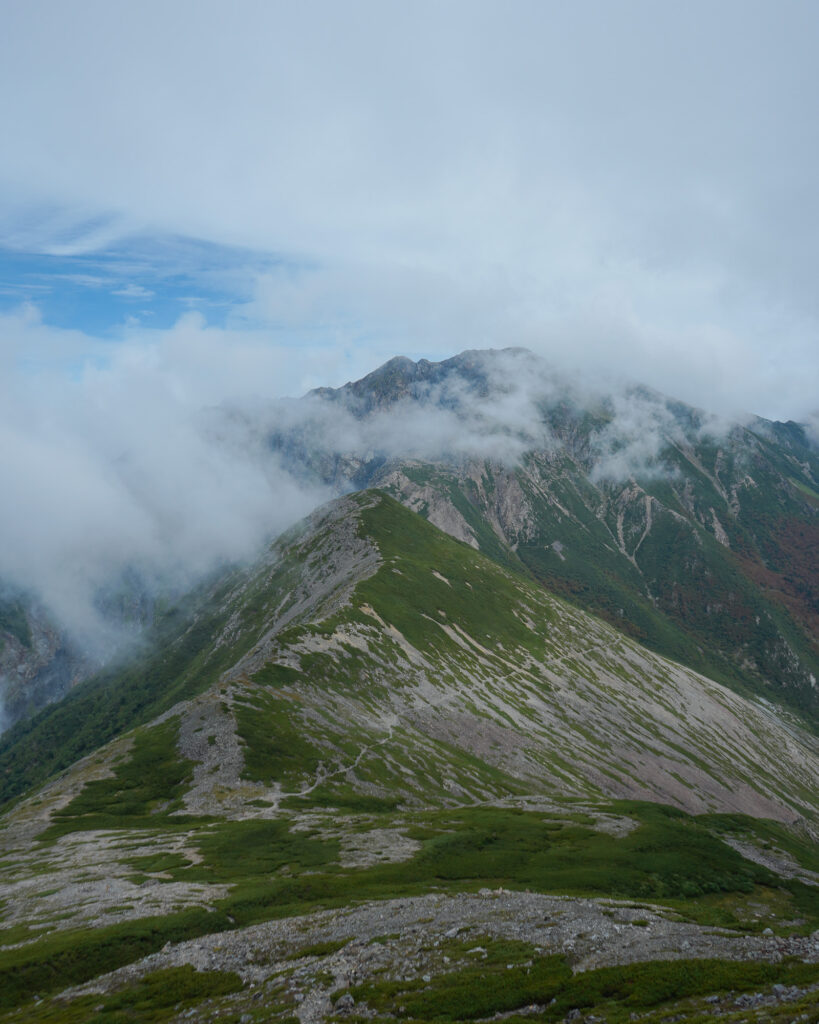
x,y
524,736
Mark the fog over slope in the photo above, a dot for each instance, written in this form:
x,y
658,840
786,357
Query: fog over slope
x,y
135,480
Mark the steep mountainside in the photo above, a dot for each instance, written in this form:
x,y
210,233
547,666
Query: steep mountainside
x,y
40,662
373,637
349,754
696,537
37,662
699,538
396,770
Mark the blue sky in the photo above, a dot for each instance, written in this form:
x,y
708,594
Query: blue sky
x,y
128,283
142,280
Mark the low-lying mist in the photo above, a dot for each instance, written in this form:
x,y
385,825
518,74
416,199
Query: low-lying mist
x,y
132,480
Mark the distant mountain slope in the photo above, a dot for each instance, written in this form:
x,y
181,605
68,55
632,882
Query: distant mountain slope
x,y
447,677
696,537
40,661
37,663
372,655
699,538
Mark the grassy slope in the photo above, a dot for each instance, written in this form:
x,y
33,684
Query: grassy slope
x,y
754,630
352,672
418,561
274,871
181,659
670,858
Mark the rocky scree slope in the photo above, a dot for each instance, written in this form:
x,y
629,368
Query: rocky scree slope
x,y
371,653
696,537
341,744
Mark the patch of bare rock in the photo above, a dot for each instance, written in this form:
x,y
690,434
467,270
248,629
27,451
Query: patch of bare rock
x,y
406,939
779,861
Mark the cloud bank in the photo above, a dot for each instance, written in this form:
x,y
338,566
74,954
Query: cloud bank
x,y
631,182
625,189
154,461
122,468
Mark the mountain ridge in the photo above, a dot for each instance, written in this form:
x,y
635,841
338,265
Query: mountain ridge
x,y
623,502
377,727
593,509
274,633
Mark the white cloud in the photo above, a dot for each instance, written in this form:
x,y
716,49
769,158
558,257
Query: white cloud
x,y
134,291
634,182
152,453
626,188
114,464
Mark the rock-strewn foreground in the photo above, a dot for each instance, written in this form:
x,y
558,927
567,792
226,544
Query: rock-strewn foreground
x,y
421,941
400,781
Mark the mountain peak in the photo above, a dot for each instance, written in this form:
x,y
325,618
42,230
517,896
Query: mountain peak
x,y
401,378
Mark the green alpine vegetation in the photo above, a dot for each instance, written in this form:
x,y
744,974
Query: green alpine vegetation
x,y
396,770
624,504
